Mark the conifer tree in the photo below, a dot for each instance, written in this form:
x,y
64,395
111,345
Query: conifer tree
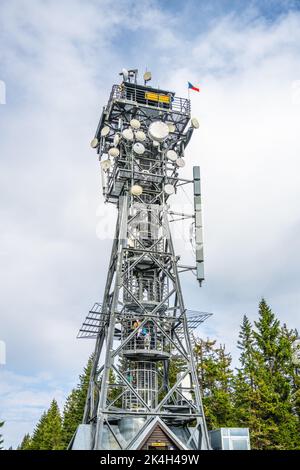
x,y
52,433
264,383
48,432
26,443
74,407
215,377
38,433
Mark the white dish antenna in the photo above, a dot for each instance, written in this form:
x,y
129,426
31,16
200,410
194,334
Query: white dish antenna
x,y
172,155
117,139
180,162
104,131
138,148
147,76
195,123
114,152
155,143
140,136
136,190
127,134
169,189
171,127
158,130
105,165
94,143
135,124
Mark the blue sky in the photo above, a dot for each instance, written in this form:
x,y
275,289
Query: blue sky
x,y
58,60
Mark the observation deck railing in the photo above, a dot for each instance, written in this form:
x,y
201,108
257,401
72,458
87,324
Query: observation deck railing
x,y
153,98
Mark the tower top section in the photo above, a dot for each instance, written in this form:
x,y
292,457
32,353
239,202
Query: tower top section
x,y
141,139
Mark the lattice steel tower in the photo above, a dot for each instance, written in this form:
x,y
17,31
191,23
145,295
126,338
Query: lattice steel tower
x,y
137,399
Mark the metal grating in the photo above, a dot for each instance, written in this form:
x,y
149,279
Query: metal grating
x,y
93,322
194,319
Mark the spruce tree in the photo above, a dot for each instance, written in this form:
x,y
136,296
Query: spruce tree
x,y
26,443
48,432
52,432
38,434
264,383
74,407
215,377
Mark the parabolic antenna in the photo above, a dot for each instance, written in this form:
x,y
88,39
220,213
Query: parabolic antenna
x,y
147,76
114,152
155,143
138,148
172,155
140,136
104,131
127,134
136,190
94,143
117,139
169,189
171,127
105,165
135,124
180,162
158,130
195,123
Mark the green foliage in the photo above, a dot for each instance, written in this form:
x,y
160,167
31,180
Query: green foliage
x,y
74,407
48,432
26,443
266,398
215,378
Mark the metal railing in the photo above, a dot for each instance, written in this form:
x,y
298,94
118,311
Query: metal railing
x,y
150,98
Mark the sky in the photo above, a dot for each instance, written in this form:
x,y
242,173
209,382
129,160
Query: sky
x,y
58,61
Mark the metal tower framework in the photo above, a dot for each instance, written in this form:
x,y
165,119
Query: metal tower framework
x,y
142,323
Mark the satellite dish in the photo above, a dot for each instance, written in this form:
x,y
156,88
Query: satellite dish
x,y
127,134
195,123
140,136
136,190
94,143
105,165
135,124
117,139
169,189
155,143
171,127
180,162
158,130
147,76
125,74
104,131
113,152
172,155
138,148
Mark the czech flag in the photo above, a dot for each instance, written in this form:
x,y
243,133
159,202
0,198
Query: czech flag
x,y
192,87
